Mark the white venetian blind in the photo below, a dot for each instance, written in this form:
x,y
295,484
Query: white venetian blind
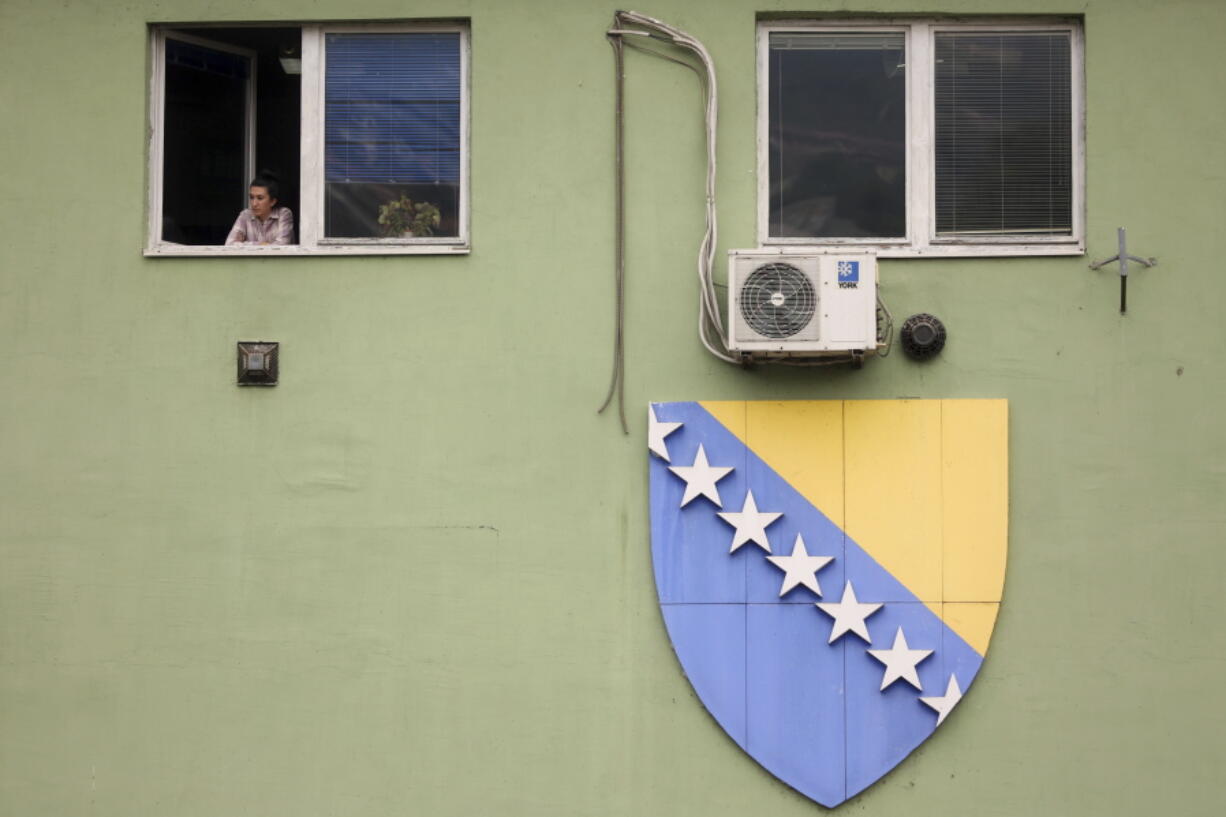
x,y
1004,140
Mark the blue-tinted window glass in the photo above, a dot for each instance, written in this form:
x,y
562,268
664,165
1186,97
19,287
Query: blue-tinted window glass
x,y
392,132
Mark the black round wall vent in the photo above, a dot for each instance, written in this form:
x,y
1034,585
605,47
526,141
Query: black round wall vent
x,y
923,336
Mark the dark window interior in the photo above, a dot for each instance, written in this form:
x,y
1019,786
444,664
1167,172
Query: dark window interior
x,y
837,135
203,181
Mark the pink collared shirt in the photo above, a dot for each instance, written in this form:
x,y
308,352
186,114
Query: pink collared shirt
x,y
278,228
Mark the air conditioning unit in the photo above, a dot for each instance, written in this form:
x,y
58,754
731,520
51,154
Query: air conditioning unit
x,y
802,304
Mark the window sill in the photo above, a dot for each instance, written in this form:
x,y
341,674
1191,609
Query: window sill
x,y
300,251
949,250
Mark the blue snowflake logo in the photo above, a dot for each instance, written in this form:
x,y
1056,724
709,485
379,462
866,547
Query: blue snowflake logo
x,y
849,270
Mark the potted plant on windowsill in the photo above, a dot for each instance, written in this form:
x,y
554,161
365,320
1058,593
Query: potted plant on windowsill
x,y
405,218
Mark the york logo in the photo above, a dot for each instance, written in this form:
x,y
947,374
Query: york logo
x,y
829,612
849,272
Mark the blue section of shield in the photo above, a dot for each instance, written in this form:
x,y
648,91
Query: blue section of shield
x,y
710,642
809,712
794,708
680,576
891,722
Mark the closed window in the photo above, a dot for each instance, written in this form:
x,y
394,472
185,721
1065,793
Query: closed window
x,y
362,128
1003,133
921,137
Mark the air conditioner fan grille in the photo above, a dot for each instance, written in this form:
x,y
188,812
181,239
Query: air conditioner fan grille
x,y
778,300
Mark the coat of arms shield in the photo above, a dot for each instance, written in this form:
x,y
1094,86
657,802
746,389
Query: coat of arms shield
x,y
829,572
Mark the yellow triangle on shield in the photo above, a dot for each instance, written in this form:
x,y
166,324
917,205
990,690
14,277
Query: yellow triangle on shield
x,y
920,485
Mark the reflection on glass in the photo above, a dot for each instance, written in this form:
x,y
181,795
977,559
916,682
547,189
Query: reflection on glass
x,y
392,134
837,132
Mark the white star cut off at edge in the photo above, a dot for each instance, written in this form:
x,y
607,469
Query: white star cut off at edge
x,y
657,431
750,524
800,567
900,662
700,478
943,704
849,615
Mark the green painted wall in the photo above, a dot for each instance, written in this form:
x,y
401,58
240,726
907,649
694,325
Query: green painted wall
x,y
414,578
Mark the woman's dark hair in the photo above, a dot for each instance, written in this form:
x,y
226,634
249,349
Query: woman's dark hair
x,y
269,181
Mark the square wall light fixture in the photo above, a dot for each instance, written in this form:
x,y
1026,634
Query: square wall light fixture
x,y
257,363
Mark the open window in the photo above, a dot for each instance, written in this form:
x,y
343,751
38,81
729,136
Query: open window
x,y
365,127
922,136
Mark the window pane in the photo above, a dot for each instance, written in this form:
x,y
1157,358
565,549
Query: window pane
x,y
392,135
204,142
1003,133
837,135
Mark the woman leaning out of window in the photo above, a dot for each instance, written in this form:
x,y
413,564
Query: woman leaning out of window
x,y
263,222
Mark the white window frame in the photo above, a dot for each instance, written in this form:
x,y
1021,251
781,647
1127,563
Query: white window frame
x,y
309,218
921,239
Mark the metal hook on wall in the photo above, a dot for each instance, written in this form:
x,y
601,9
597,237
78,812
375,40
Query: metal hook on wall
x,y
1123,257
